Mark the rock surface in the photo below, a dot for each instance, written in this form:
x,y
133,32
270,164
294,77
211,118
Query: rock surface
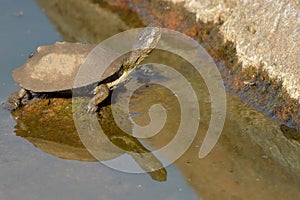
x,y
266,34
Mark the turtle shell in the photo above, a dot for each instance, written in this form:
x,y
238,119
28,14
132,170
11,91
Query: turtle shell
x,y
55,67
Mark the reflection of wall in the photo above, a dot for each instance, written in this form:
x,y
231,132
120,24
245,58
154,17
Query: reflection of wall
x,y
82,21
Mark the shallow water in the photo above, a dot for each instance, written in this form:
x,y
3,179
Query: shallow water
x,y
235,169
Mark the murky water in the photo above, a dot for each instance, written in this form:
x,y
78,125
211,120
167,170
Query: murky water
x,y
33,167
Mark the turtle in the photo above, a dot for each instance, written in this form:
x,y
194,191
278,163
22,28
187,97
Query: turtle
x,y
53,69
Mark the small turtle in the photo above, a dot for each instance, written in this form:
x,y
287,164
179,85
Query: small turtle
x,y
54,68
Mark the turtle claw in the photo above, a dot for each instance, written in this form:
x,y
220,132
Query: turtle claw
x,y
92,108
14,101
101,92
10,106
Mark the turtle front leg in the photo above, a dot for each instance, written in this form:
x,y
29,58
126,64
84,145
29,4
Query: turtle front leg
x,y
15,99
101,92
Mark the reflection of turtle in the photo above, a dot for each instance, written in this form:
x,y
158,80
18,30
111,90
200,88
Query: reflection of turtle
x,y
48,72
55,133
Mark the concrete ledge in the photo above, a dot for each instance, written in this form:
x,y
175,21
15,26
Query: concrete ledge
x,y
266,34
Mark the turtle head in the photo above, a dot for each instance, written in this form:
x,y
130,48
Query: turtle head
x,y
146,41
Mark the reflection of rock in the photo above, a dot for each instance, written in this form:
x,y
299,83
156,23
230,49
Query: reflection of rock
x,y
49,125
61,150
75,24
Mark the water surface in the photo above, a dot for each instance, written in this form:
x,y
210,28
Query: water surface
x,y
237,168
